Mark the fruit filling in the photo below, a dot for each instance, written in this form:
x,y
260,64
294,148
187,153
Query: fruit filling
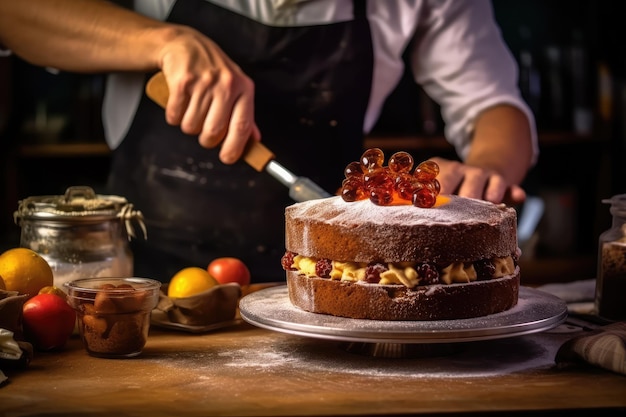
x,y
409,274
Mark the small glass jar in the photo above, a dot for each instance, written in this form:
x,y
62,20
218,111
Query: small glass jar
x,y
610,300
113,314
80,234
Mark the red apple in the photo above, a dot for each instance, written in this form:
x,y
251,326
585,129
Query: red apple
x,y
229,269
48,321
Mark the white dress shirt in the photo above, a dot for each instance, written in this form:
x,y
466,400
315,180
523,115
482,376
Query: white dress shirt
x,y
458,56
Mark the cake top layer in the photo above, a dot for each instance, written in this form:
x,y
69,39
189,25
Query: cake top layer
x,y
450,209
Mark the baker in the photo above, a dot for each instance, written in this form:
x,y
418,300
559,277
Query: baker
x,y
308,78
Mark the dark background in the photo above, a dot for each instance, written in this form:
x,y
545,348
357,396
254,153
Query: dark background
x,y
51,133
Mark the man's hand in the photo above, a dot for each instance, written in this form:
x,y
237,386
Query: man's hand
x,y
474,182
209,94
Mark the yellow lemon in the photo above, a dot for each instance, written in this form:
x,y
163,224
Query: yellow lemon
x,y
25,271
190,281
2,285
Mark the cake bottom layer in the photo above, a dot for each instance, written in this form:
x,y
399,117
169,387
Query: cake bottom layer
x,y
396,302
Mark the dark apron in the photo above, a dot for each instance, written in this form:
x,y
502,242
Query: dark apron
x,y
312,86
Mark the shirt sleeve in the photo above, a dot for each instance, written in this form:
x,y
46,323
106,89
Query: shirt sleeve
x,y
124,89
463,63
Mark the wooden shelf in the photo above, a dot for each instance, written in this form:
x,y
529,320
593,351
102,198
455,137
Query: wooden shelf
x,y
58,150
383,141
537,271
553,138
407,142
439,143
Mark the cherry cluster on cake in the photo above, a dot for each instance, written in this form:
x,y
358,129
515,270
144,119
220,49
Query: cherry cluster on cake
x,y
384,185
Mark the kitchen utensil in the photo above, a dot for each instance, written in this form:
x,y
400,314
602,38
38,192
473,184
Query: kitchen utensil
x,y
256,154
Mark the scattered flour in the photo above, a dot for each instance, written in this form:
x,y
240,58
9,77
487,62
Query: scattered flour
x,y
282,353
286,352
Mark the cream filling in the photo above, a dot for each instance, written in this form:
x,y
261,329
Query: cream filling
x,y
403,273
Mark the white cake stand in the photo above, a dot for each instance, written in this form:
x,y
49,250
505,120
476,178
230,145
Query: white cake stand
x,y
270,308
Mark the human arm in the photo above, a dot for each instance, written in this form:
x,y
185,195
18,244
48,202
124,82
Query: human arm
x,y
463,63
209,94
498,160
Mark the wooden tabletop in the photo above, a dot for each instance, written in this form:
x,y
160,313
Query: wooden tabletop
x,y
245,370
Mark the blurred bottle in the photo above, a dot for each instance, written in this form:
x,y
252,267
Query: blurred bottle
x,y
553,107
428,114
582,115
529,78
605,93
611,277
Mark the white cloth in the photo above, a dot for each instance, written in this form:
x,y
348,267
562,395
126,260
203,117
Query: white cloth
x,y
579,295
458,56
9,349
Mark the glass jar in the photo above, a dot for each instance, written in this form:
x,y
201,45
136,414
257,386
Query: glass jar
x,y
80,234
610,301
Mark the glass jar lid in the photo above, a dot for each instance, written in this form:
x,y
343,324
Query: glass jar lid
x,y
618,204
79,204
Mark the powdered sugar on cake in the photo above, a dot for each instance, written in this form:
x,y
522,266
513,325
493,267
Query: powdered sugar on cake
x,y
455,210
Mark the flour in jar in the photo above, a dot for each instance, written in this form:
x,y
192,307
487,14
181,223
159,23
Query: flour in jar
x,y
66,271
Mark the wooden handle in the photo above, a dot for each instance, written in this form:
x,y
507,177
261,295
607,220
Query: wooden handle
x,y
255,154
157,89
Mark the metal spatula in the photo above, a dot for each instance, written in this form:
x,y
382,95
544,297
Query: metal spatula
x,y
256,154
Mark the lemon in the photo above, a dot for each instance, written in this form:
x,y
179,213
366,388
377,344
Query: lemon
x,y
25,271
190,281
2,285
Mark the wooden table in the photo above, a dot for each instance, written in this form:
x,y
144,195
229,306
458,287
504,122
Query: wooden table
x,y
245,370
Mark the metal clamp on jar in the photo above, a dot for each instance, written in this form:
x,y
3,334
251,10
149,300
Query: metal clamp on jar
x,y
81,233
